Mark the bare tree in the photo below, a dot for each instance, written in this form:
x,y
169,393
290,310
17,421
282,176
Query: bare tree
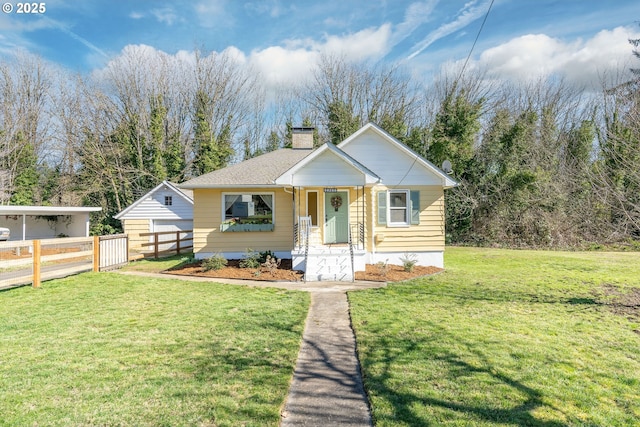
x,y
24,125
225,98
350,94
617,172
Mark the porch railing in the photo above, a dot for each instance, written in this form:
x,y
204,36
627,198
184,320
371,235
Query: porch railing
x,y
357,229
353,269
301,233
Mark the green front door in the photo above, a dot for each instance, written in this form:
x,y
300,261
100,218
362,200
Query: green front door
x,y
336,217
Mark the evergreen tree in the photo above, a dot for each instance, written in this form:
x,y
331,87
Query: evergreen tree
x,y
342,121
211,152
25,186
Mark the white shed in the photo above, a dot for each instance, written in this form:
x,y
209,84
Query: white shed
x,y
46,222
165,208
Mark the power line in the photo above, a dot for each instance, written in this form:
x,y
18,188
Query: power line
x,y
486,15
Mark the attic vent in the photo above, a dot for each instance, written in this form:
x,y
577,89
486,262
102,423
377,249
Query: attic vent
x,y
302,138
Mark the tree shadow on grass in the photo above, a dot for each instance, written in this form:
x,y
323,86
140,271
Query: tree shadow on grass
x,y
404,403
245,380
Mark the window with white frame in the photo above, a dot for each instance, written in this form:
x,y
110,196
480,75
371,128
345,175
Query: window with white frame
x,y
248,208
398,207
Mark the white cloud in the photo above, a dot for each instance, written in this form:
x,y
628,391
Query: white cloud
x,y
136,15
166,15
365,44
467,15
293,62
415,15
278,65
273,8
213,13
580,62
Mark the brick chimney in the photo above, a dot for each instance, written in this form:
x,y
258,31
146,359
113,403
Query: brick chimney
x,y
302,138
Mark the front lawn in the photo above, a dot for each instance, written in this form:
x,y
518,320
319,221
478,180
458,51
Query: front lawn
x,y
106,349
505,338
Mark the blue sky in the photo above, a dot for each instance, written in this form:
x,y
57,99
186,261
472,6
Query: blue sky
x,y
579,38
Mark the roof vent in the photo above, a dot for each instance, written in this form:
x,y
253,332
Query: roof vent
x,y
302,138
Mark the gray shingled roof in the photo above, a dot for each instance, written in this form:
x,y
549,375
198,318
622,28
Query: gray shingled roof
x,y
188,193
261,170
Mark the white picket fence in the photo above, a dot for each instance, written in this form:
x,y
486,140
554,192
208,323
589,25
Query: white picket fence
x,y
113,252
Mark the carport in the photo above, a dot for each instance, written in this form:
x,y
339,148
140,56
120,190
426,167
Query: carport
x,y
46,222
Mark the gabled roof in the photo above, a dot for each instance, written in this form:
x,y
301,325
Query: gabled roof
x,y
447,181
258,171
369,177
278,168
187,195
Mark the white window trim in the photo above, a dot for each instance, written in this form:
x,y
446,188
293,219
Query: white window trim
x,y
407,221
257,193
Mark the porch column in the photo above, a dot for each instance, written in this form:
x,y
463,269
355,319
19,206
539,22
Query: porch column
x,y
87,225
294,220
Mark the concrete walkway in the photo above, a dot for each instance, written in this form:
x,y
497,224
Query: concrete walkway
x,y
327,388
327,385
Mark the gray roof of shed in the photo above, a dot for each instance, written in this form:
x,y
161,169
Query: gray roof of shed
x,y
257,171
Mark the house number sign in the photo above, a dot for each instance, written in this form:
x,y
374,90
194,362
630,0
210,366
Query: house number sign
x,y
330,190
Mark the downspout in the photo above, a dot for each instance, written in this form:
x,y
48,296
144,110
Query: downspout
x,y
372,237
24,227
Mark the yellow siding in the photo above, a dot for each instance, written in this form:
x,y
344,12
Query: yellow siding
x,y
356,214
133,227
207,216
426,236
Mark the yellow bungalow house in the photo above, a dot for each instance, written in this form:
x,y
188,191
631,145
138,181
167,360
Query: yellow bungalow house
x,y
332,209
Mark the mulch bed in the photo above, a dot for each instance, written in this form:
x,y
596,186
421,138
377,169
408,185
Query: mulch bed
x,y
392,273
234,271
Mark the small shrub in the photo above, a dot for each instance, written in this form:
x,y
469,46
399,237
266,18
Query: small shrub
x,y
264,255
409,261
271,264
383,267
215,262
250,259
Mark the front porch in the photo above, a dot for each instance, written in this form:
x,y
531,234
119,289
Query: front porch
x,y
329,232
328,262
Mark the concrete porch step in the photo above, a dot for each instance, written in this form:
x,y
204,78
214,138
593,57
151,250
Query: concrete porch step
x,y
329,264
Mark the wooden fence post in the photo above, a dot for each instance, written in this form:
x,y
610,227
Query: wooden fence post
x,y
96,254
177,242
36,264
155,246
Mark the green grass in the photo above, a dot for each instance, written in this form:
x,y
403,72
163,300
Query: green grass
x,y
504,338
151,265
106,349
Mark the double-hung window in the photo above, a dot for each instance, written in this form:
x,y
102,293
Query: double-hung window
x,y
398,208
